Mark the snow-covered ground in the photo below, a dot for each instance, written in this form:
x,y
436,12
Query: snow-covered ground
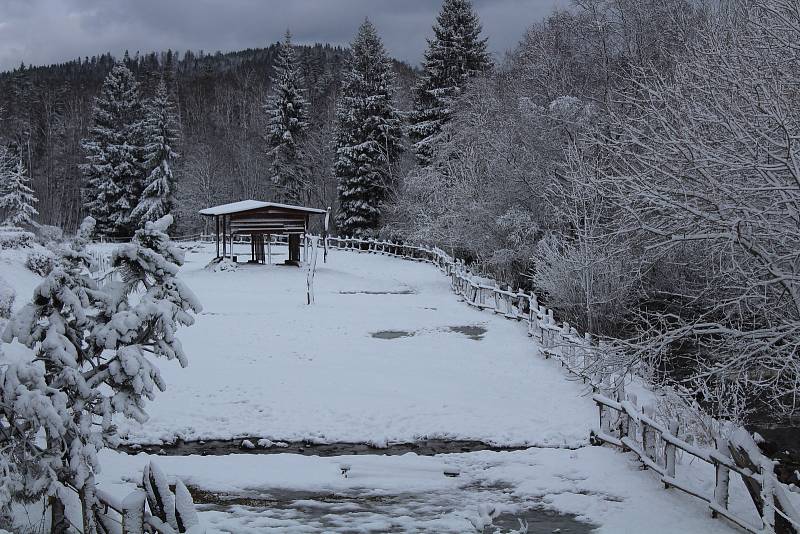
x,y
264,364
292,493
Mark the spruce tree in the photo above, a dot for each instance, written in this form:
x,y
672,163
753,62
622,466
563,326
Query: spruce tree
x,y
114,168
159,136
94,347
369,134
17,199
454,55
287,109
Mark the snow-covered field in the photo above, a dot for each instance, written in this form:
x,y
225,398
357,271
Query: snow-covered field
x,y
264,364
409,493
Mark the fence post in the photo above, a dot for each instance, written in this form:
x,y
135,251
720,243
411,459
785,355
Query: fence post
x,y
587,345
649,434
722,478
670,451
533,309
767,495
623,427
566,345
133,513
605,419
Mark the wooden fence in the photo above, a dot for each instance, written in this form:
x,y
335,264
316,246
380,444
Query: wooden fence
x,y
158,508
622,421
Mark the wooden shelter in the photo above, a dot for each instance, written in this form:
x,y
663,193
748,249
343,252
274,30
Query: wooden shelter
x,y
259,219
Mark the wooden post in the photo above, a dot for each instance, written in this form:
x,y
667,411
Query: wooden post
x,y
670,451
605,420
649,434
768,497
133,513
633,423
88,505
224,239
623,426
587,347
216,219
722,478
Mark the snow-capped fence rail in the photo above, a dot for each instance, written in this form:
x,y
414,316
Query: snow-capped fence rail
x,y
171,508
622,422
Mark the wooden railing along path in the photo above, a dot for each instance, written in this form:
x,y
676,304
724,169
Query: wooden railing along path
x,y
160,507
623,422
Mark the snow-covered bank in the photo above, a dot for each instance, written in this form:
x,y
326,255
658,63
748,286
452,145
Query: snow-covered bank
x,y
263,363
285,493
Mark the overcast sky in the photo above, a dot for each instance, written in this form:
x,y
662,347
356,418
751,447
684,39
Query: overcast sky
x,y
49,31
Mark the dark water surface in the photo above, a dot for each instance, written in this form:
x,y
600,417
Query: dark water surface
x,y
428,447
347,511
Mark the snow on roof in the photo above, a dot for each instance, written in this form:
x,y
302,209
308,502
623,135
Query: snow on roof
x,y
245,205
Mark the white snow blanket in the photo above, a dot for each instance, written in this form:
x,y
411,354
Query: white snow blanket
x,y
262,363
287,493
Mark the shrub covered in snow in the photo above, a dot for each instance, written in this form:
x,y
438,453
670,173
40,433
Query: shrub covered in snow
x,y
40,262
222,265
7,295
14,237
49,234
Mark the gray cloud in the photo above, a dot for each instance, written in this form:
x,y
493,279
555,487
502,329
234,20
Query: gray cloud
x,y
48,31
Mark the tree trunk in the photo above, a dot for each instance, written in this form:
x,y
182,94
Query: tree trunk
x,y
58,519
88,506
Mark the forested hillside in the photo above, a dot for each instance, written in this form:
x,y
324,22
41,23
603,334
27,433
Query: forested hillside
x,y
46,111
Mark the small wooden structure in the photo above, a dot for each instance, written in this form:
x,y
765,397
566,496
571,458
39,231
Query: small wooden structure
x,y
259,219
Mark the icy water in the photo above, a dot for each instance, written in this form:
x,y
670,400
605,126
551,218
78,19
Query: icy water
x,y
222,447
391,334
398,292
439,512
472,332
782,444
475,332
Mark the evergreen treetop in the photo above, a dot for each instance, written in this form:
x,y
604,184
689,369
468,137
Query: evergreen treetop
x,y
114,167
160,137
17,198
287,109
369,134
455,54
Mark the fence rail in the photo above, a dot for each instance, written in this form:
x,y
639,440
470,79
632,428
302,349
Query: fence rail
x,y
160,507
622,422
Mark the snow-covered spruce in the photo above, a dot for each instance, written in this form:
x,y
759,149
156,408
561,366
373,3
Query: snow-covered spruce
x,y
113,152
455,54
369,133
287,109
93,346
159,135
17,199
